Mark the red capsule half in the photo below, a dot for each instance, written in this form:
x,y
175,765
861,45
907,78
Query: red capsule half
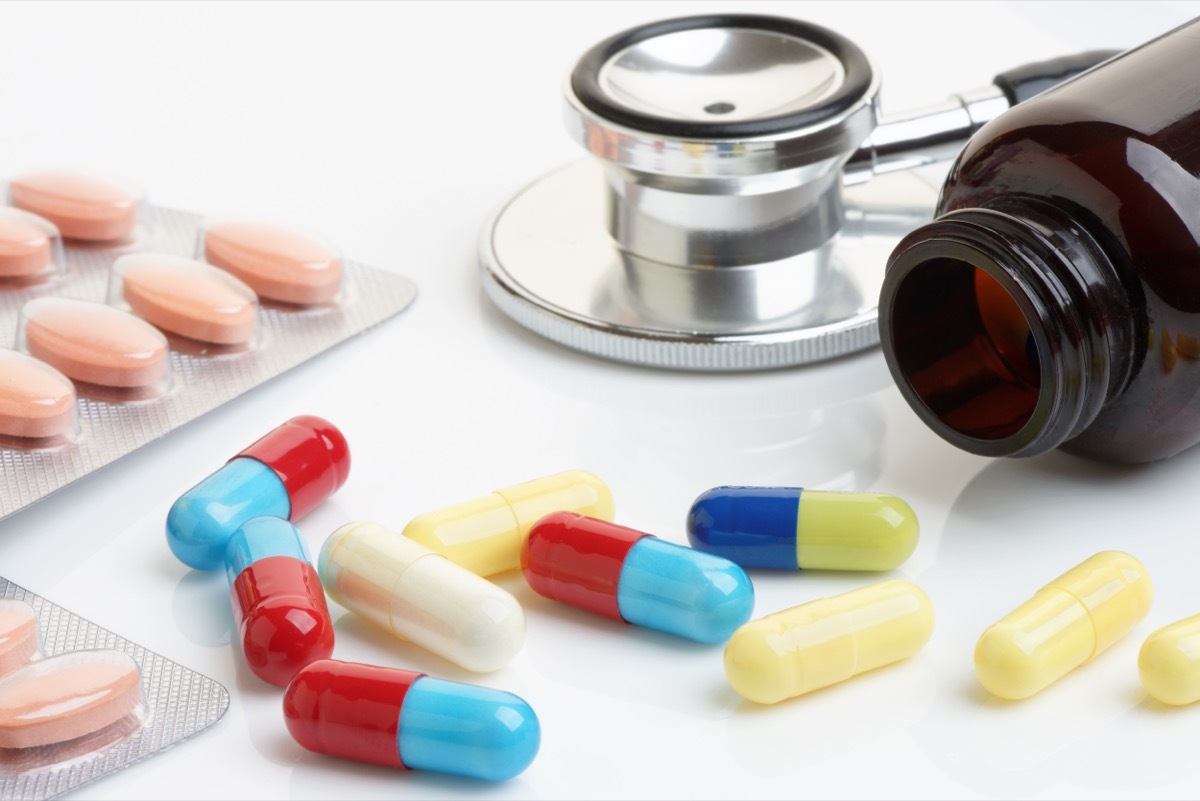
x,y
578,560
349,710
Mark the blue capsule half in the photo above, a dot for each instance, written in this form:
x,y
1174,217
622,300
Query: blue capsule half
x,y
203,519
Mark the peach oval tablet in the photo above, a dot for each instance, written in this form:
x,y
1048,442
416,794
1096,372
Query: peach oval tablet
x,y
94,343
18,634
278,263
35,399
82,205
26,244
188,298
67,696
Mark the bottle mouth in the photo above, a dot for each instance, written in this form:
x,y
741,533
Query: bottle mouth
x,y
966,342
999,328
966,349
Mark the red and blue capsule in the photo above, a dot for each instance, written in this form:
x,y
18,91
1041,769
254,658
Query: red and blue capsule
x,y
405,719
635,577
292,469
278,603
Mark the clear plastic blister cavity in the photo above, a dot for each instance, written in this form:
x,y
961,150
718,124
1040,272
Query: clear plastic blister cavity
x,y
282,264
31,249
121,320
87,207
77,702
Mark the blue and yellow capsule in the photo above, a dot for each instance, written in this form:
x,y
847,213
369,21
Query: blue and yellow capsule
x,y
789,528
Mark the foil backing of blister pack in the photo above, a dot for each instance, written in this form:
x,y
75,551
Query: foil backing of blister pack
x,y
200,383
178,703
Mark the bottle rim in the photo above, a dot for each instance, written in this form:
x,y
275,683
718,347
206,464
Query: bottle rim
x,y
934,272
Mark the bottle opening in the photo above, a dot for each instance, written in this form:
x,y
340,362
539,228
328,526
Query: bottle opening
x,y
966,348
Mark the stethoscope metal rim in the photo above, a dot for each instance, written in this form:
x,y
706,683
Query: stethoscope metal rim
x,y
585,79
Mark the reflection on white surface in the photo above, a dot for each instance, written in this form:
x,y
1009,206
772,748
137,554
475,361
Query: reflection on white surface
x,y
1016,526
316,777
877,707
198,611
610,658
818,429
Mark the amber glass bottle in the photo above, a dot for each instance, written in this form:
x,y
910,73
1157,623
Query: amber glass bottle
x,y
1054,301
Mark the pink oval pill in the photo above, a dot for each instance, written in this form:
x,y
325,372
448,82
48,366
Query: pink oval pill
x,y
95,343
188,298
18,634
26,244
67,696
278,263
35,399
82,205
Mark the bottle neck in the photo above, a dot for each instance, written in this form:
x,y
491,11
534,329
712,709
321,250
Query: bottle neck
x,y
1006,328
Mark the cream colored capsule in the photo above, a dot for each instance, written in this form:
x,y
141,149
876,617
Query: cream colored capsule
x,y
420,596
485,535
827,641
1065,624
1169,662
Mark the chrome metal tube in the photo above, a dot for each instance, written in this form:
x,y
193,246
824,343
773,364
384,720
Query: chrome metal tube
x,y
925,135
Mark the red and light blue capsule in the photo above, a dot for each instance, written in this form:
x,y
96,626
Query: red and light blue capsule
x,y
635,577
789,528
278,602
286,473
405,719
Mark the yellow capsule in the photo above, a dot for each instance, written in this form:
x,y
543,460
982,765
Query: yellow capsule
x,y
826,641
1063,625
1169,662
485,535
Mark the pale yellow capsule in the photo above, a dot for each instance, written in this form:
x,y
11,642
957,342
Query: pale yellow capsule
x,y
1169,662
828,640
1065,624
485,535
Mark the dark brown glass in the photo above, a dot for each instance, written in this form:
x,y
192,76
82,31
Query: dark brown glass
x,y
1054,301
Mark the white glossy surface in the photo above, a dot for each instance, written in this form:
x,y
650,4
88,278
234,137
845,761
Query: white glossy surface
x,y
395,130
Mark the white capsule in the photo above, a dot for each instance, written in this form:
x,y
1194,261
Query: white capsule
x,y
421,596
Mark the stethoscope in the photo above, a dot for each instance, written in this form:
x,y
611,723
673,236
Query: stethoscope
x,y
742,198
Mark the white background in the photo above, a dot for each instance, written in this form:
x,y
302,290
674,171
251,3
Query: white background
x,y
395,130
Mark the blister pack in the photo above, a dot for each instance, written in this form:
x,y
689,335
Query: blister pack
x,y
77,702
120,320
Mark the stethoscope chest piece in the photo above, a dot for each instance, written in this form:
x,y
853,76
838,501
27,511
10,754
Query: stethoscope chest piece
x,y
711,227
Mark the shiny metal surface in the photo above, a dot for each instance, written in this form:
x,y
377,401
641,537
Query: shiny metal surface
x,y
926,135
711,73
550,265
